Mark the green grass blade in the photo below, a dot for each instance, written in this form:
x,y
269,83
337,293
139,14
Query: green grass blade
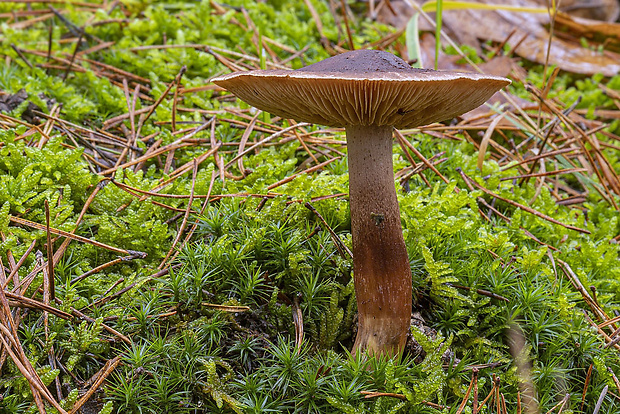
x,y
413,41
434,5
438,31
261,55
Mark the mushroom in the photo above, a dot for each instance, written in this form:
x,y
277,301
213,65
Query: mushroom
x,y
369,92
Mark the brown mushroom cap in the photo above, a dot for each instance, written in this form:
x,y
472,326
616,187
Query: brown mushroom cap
x,y
363,87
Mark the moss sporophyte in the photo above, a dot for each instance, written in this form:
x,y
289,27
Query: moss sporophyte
x,y
369,93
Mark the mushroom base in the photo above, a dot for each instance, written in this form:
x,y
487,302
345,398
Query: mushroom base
x,y
382,274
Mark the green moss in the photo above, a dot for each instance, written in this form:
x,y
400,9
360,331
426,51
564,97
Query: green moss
x,y
264,258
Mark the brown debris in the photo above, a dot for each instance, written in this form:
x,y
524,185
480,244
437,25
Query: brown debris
x,y
528,34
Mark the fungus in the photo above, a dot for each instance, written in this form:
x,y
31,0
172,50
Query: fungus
x,y
369,92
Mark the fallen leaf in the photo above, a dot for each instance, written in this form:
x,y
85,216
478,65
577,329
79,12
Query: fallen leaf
x,y
607,34
528,35
603,10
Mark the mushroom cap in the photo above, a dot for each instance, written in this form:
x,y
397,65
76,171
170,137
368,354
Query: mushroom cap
x,y
363,87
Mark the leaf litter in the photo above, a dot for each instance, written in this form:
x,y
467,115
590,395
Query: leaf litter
x,y
580,45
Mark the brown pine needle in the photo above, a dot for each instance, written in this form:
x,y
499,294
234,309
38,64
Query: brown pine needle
x,y
50,256
524,208
601,398
65,244
308,171
487,138
540,156
264,141
243,141
101,376
545,174
298,321
346,24
560,405
185,217
340,246
113,331
63,233
483,403
227,308
375,394
14,276
585,386
475,397
403,141
26,302
98,269
466,397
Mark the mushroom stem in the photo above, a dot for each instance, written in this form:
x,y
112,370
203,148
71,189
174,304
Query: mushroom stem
x,y
382,274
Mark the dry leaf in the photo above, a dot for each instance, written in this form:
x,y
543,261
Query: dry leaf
x,y
529,34
604,10
596,31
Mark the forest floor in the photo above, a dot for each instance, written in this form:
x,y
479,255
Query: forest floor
x,y
166,248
